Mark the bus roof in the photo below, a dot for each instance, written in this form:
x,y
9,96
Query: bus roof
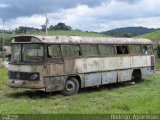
x,y
79,40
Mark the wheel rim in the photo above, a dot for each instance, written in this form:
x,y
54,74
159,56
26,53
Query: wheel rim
x,y
70,86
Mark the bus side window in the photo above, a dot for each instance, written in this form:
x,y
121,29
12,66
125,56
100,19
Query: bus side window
x,y
76,52
94,50
71,51
122,49
147,49
144,50
66,50
90,50
86,50
103,50
106,50
150,49
111,50
53,51
135,49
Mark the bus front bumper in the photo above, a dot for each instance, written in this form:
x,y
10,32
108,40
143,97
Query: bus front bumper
x,y
25,84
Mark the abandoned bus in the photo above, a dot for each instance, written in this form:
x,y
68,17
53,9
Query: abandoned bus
x,y
68,63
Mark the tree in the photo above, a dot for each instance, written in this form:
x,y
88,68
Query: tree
x,y
23,30
43,27
158,51
60,26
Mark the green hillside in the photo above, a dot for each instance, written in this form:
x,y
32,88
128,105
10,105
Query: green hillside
x,y
129,31
69,32
155,36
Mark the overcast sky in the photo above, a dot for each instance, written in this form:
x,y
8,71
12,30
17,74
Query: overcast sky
x,y
91,15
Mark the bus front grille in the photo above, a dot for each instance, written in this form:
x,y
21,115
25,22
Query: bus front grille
x,y
23,75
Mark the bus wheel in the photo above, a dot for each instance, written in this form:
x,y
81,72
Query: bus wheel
x,y
136,76
71,86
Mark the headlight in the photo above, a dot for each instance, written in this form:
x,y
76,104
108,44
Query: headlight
x,y
34,77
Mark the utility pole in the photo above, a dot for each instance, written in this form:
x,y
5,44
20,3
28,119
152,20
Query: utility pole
x,y
47,22
3,43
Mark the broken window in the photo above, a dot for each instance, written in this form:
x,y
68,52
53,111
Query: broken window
x,y
122,49
147,49
76,52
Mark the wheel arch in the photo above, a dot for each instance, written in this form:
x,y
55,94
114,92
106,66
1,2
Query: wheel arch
x,y
77,77
137,73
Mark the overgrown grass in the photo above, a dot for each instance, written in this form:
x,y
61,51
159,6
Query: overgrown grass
x,y
157,63
117,98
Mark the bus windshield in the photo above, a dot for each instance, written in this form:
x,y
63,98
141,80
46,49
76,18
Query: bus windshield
x,y
16,53
27,53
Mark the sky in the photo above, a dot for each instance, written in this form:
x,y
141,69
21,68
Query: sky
x,y
86,15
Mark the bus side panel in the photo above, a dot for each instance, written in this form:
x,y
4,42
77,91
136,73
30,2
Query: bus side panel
x,y
92,65
109,77
54,83
54,70
146,72
124,75
93,79
69,65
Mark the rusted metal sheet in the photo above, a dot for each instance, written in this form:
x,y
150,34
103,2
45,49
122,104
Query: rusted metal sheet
x,y
26,84
54,83
146,72
69,65
109,77
86,40
124,75
92,79
54,70
111,63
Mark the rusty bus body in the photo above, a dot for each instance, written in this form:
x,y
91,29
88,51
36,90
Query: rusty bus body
x,y
67,63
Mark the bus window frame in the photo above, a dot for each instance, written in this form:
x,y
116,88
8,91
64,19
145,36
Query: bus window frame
x,y
147,45
57,60
108,55
59,49
71,57
21,62
90,56
121,46
135,54
21,59
32,61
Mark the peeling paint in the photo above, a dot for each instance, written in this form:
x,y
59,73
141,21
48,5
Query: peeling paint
x,y
90,40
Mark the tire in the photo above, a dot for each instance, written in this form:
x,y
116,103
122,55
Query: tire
x,y
71,87
136,76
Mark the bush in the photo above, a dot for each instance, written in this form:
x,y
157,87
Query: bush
x,y
158,51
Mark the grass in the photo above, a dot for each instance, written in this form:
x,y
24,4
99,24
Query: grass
x,y
155,36
111,99
157,63
70,32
